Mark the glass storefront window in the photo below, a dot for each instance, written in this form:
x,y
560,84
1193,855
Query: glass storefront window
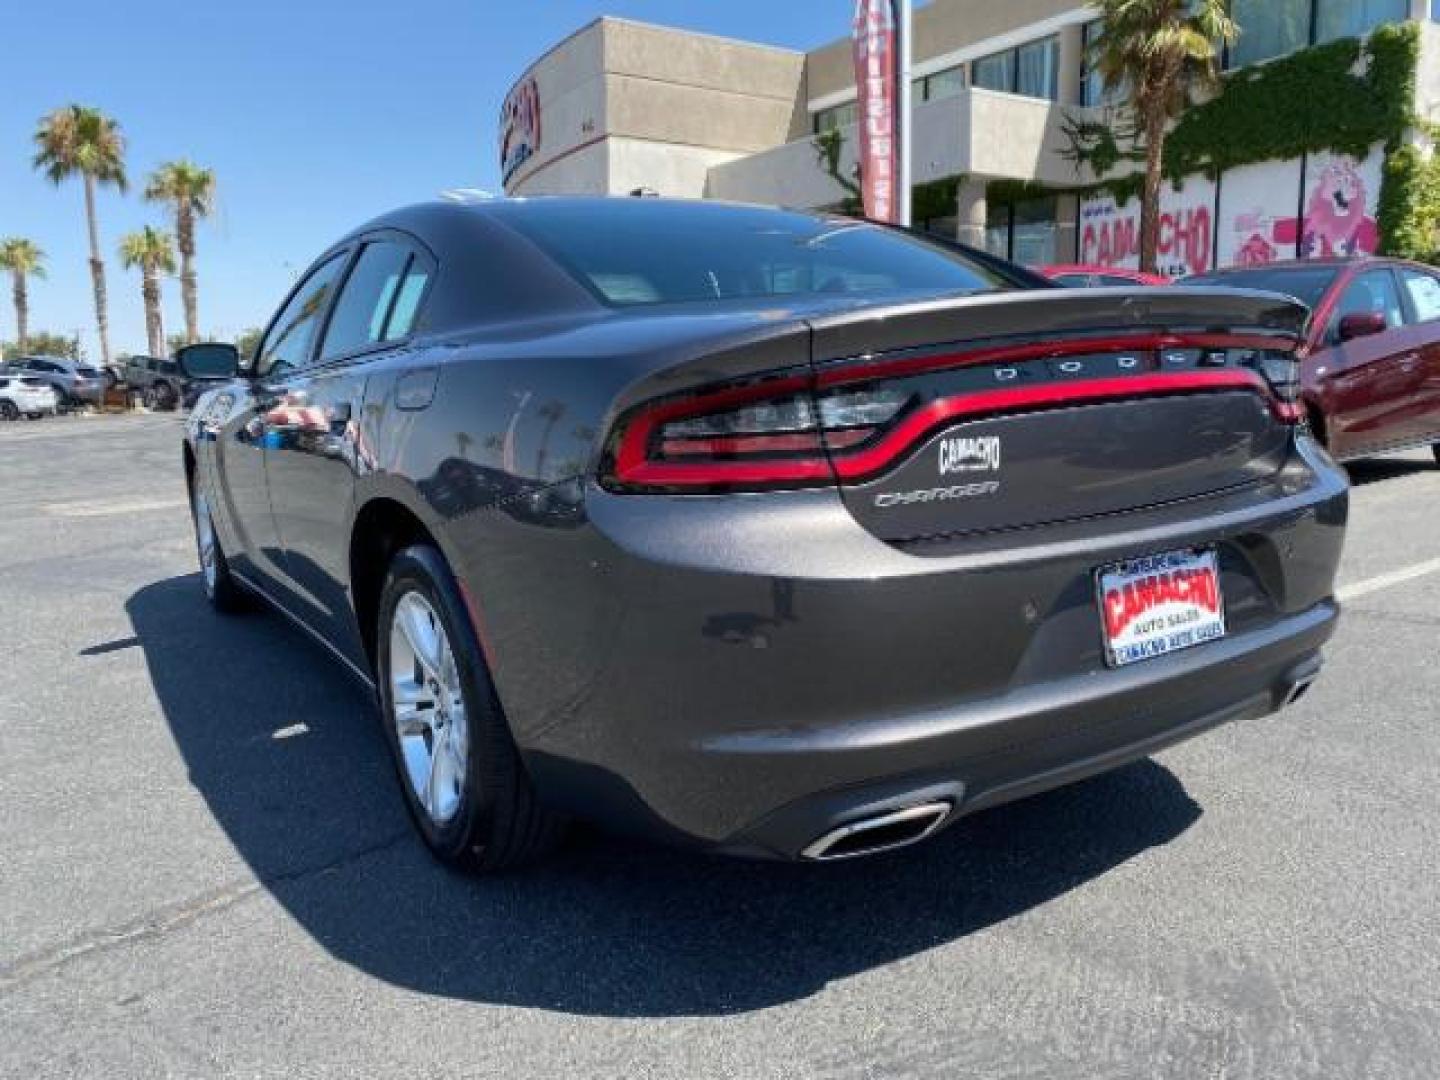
x,y
1035,231
1026,233
1356,18
1270,28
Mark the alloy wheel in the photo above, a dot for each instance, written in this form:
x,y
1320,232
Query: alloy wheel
x,y
427,707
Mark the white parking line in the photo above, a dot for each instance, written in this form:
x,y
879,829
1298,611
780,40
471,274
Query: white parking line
x,y
1387,581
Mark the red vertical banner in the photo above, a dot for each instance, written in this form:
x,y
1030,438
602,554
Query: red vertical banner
x,y
875,83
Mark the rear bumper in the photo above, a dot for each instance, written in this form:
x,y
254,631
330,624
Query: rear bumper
x,y
747,673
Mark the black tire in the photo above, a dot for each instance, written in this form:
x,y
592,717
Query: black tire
x,y
165,397
225,593
499,822
8,411
33,415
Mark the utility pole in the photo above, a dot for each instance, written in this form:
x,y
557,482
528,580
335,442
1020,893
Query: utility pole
x,y
902,13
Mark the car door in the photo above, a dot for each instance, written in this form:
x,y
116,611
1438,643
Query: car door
x,y
248,530
1422,300
1372,380
314,454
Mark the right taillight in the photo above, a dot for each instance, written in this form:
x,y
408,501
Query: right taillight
x,y
1281,370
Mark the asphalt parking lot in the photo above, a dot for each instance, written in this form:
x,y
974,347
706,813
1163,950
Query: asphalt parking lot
x,y
205,867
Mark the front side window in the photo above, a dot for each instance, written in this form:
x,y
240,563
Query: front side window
x,y
363,310
1370,292
1424,292
1269,28
1356,18
291,338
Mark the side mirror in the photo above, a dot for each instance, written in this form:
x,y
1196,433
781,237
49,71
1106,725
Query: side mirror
x,y
1362,324
212,360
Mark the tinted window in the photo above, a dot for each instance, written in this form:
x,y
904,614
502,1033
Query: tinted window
x,y
838,117
1372,291
1115,281
944,84
1269,28
649,252
995,72
1073,281
1424,292
1038,69
41,365
407,304
288,344
1306,284
1356,18
364,305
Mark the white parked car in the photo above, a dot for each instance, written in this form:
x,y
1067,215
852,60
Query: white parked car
x,y
25,395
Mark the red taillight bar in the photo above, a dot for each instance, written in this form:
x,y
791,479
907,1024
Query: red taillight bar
x,y
909,431
633,464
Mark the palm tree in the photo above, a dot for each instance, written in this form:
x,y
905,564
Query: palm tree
x,y
24,259
80,140
1160,51
152,251
190,191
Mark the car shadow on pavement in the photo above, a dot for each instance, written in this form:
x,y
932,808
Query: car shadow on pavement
x,y
286,751
1375,470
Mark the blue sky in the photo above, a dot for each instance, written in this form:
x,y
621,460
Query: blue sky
x,y
315,114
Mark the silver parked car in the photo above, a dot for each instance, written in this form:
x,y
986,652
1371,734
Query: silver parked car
x,y
26,395
75,382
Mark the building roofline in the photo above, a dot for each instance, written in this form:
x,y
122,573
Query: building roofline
x,y
721,38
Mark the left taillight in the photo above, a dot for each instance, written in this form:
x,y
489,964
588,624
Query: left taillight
x,y
771,434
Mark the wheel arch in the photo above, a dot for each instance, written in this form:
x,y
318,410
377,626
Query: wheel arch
x,y
382,527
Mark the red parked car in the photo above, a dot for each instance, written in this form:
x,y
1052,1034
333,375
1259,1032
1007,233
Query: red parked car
x,y
1371,362
1099,277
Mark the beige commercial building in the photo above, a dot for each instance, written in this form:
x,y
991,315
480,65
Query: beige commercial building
x,y
620,107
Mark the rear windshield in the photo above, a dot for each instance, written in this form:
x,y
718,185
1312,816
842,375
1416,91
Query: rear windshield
x,y
637,252
1306,283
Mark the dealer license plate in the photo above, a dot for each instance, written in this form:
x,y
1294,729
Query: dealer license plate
x,y
1160,604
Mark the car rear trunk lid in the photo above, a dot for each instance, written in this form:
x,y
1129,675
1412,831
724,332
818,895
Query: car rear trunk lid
x,y
1020,410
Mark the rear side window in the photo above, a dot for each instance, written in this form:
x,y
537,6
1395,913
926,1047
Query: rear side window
x,y
645,251
362,313
1373,291
288,344
407,303
1424,292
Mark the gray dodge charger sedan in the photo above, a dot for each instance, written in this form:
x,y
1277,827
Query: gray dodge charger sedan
x,y
782,534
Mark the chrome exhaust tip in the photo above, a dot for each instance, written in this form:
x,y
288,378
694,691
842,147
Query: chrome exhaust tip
x,y
886,832
1300,689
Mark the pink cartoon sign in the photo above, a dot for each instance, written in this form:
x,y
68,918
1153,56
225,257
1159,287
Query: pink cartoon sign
x,y
1341,199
